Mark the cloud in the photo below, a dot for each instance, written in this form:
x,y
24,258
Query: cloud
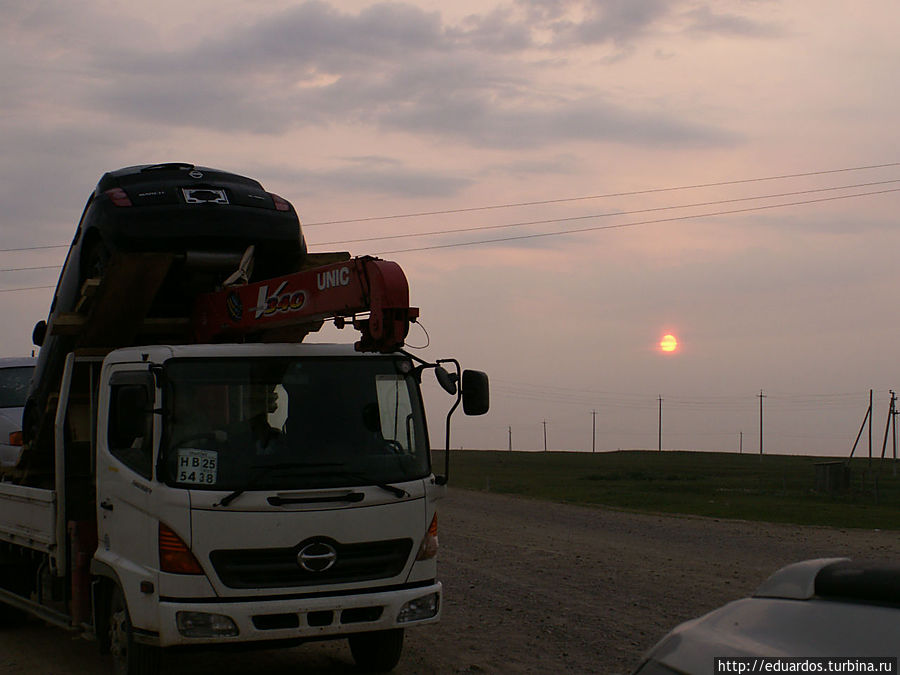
x,y
377,174
616,21
392,67
533,124
704,21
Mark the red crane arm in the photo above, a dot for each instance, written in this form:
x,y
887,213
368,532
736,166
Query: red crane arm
x,y
376,289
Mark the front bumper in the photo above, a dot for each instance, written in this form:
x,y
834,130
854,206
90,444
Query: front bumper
x,y
293,619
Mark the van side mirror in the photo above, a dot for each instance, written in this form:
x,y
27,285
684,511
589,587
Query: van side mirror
x,y
39,333
475,392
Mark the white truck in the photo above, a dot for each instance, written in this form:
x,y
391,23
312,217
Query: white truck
x,y
216,492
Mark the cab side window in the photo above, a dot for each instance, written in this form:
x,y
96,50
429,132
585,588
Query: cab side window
x,y
130,430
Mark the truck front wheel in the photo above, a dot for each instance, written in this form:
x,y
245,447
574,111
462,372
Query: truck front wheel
x,y
129,657
377,652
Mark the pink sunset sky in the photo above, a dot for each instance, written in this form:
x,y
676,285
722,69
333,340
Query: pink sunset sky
x,y
720,171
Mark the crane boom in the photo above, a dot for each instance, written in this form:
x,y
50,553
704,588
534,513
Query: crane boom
x,y
372,293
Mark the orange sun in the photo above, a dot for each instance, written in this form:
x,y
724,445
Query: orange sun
x,y
668,343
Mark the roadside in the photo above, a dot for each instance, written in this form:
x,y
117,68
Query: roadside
x,y
532,587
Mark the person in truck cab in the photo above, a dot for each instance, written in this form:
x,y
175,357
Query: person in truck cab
x,y
192,421
259,401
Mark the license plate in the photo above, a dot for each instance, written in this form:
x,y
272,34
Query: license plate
x,y
198,467
204,196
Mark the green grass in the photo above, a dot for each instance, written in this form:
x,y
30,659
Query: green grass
x,y
772,488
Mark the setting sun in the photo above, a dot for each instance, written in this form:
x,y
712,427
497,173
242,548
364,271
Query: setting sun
x,y
668,343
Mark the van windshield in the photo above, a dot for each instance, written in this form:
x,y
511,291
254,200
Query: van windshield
x,y
291,423
14,386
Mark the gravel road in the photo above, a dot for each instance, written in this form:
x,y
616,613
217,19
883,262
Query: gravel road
x,y
530,587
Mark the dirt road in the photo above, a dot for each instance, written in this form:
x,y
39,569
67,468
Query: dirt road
x,y
531,587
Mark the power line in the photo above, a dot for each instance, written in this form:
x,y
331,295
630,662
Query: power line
x,y
573,218
23,269
633,224
32,248
547,221
606,215
602,196
576,218
567,219
569,199
27,288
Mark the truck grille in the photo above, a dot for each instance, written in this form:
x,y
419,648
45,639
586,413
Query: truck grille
x,y
280,568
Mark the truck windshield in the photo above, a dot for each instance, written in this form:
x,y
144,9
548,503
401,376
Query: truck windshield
x,y
291,423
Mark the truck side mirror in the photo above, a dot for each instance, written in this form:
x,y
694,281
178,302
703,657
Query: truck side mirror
x,y
475,392
39,333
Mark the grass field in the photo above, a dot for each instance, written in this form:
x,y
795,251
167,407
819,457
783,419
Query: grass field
x,y
771,488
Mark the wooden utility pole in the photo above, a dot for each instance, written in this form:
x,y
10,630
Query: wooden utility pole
x,y
891,427
659,427
894,427
741,444
761,397
593,431
545,435
871,415
862,427
887,428
510,439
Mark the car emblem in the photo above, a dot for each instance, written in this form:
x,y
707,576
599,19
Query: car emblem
x,y
195,174
317,557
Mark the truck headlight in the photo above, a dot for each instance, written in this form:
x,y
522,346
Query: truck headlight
x,y
420,608
203,625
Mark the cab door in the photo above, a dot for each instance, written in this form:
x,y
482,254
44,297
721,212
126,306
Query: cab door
x,y
127,526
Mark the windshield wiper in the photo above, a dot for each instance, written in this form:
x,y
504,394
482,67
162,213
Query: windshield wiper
x,y
398,492
266,469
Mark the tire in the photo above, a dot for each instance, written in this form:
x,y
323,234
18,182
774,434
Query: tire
x,y
377,652
129,657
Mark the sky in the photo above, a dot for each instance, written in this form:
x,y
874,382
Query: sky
x,y
596,173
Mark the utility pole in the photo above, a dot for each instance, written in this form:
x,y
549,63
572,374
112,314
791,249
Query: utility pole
x,y
741,444
545,435
659,426
894,427
761,397
510,438
862,427
871,415
593,431
887,428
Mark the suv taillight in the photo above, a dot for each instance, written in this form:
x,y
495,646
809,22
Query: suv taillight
x,y
118,197
281,204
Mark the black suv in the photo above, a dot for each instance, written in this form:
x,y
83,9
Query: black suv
x,y
206,217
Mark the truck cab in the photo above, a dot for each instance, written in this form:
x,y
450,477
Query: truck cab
x,y
234,493
232,473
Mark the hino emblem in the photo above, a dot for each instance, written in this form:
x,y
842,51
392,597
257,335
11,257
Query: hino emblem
x,y
317,557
